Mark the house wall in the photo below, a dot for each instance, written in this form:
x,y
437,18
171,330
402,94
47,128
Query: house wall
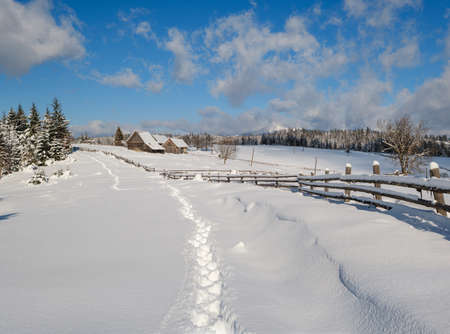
x,y
135,143
171,147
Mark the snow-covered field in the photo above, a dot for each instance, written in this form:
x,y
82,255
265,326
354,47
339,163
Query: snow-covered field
x,y
110,248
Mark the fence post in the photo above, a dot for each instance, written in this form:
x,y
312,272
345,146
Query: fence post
x,y
298,181
348,171
439,197
376,171
327,171
312,188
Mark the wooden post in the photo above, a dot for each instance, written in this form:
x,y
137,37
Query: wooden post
x,y
299,184
439,197
315,166
312,174
376,171
253,153
327,171
348,171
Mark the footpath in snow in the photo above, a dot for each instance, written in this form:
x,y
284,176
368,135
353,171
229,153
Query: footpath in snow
x,y
98,252
115,249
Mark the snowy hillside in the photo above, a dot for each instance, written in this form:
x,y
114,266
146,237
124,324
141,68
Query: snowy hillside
x,y
274,158
108,247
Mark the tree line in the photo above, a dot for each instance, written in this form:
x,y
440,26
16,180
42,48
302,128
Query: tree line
x,y
365,140
31,140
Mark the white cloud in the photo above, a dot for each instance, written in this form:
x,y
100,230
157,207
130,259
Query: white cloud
x,y
378,13
355,7
406,56
447,43
184,67
29,36
132,14
214,120
304,106
255,58
129,79
144,29
430,102
95,128
154,86
125,78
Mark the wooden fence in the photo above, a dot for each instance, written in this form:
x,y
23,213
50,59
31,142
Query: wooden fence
x,y
350,184
371,184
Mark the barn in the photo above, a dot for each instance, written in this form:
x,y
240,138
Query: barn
x,y
175,145
161,139
143,141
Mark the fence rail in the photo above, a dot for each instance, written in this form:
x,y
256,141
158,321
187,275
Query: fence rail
x,y
345,182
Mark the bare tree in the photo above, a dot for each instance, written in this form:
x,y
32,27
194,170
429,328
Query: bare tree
x,y
227,149
404,139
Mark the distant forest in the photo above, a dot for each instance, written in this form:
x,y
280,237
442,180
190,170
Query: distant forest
x,y
366,140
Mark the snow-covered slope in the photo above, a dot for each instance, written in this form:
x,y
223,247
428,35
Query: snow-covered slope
x,y
274,158
110,248
98,252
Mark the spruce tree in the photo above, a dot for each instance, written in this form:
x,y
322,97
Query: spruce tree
x,y
59,133
4,156
43,144
118,137
21,120
11,118
31,137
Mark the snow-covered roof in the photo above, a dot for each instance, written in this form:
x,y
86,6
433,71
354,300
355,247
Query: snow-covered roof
x,y
148,139
180,143
161,139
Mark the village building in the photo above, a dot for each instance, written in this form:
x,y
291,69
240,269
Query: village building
x,y
175,145
161,139
143,141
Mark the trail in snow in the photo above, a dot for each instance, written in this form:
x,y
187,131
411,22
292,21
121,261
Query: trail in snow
x,y
201,299
115,186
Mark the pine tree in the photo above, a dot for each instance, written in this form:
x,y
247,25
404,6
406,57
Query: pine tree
x,y
31,137
11,118
59,133
4,157
34,120
43,143
118,137
21,120
12,145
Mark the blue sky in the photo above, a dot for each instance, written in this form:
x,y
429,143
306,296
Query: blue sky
x,y
228,67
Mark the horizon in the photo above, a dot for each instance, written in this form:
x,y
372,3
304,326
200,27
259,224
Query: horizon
x,y
228,68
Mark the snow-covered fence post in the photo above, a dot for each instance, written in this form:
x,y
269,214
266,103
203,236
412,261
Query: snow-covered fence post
x,y
376,171
348,171
312,174
439,197
327,171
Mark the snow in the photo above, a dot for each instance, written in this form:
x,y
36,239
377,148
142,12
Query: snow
x,y
161,139
375,163
434,165
112,248
179,142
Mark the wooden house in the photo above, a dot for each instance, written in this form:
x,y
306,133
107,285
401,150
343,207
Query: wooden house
x,y
175,145
143,141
